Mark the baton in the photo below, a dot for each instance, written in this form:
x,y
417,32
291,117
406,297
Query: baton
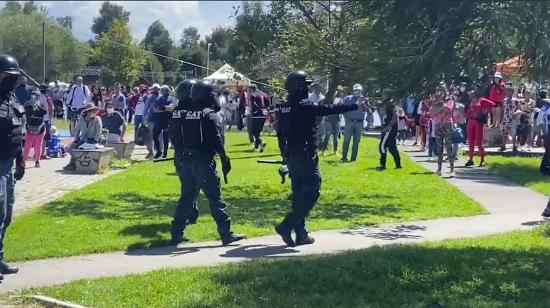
x,y
29,77
162,159
268,161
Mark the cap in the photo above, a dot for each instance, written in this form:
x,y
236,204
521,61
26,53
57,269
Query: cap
x,y
155,85
498,75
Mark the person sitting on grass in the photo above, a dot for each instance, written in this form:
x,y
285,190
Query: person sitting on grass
x,y
113,121
88,130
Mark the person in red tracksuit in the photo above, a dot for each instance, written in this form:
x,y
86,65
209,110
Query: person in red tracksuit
x,y
476,114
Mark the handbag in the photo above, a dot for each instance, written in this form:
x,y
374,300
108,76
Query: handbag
x,y
483,118
143,135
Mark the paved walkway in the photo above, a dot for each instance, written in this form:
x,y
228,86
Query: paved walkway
x,y
511,207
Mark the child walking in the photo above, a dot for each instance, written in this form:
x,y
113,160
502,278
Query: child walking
x,y
401,126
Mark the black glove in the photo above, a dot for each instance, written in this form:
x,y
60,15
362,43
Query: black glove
x,y
19,170
226,167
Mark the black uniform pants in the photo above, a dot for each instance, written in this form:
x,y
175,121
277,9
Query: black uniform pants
x,y
257,127
306,187
388,143
199,173
158,129
7,198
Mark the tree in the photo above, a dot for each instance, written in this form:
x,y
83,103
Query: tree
x,y
13,7
157,39
196,55
64,53
29,7
190,37
65,21
120,57
108,13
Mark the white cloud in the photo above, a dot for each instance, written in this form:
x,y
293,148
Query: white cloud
x,y
175,15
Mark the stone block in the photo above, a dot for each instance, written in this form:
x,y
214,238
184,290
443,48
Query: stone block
x,y
93,161
122,149
492,137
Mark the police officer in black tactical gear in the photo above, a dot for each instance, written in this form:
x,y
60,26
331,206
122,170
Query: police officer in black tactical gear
x,y
298,131
11,120
196,135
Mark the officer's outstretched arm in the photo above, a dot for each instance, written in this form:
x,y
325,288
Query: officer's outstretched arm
x,y
324,110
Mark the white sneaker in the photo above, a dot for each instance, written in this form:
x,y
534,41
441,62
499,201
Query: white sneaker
x,y
430,159
452,174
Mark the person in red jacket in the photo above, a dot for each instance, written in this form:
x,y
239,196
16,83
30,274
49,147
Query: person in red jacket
x,y
476,114
497,94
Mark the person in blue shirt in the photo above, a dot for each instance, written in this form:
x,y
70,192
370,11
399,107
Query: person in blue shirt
x,y
147,118
162,113
354,122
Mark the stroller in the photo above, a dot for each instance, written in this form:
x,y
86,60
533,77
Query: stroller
x,y
55,147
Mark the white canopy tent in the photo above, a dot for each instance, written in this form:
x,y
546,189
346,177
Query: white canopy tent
x,y
227,74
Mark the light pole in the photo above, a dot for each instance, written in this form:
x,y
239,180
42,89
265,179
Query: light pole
x,y
208,59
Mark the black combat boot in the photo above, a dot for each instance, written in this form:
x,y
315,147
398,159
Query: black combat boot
x,y
177,236
286,235
7,269
303,238
231,238
227,236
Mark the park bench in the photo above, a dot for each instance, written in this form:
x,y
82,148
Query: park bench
x,y
122,149
92,161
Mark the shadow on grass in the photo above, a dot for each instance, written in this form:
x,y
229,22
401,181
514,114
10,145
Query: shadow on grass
x,y
523,174
427,277
422,173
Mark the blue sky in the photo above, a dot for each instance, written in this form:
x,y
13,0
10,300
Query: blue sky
x,y
175,15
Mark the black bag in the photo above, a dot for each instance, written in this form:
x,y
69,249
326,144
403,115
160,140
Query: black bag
x,y
143,135
483,118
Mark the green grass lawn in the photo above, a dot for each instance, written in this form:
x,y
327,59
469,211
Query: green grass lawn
x,y
522,170
508,270
134,208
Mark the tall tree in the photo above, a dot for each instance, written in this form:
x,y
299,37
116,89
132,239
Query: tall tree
x,y
121,58
157,39
190,37
108,13
65,21
30,7
64,53
13,7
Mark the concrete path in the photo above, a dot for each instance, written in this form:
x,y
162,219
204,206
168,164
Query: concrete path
x,y
511,207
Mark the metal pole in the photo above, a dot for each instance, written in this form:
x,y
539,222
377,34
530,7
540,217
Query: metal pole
x,y
43,52
208,59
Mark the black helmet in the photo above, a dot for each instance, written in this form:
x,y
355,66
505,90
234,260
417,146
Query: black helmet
x,y
201,93
297,84
9,65
183,90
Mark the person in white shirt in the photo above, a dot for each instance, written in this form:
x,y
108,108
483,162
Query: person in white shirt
x,y
119,100
316,98
332,126
79,95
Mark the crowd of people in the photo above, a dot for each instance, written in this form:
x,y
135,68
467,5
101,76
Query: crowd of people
x,y
455,114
